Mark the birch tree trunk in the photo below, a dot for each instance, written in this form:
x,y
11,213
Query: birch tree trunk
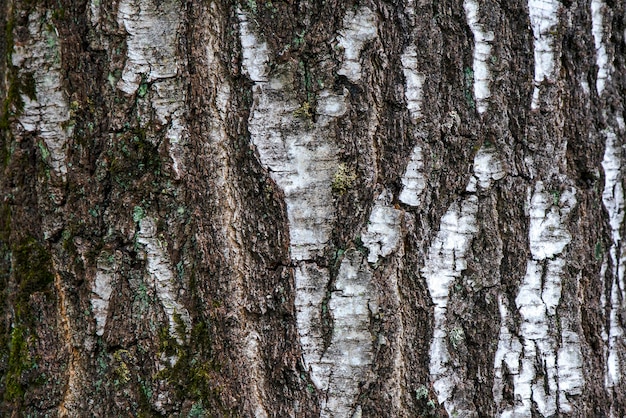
x,y
307,208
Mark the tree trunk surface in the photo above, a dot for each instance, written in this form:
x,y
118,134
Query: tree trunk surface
x,y
308,208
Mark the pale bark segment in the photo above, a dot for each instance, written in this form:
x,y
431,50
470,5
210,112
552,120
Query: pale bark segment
x,y
153,66
413,180
382,236
360,26
598,8
103,284
482,55
613,199
544,22
161,277
414,83
46,110
445,263
302,159
548,383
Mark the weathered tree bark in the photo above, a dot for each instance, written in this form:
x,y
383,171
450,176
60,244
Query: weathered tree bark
x,y
312,208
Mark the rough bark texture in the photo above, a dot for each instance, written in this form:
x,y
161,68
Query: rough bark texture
x,y
312,208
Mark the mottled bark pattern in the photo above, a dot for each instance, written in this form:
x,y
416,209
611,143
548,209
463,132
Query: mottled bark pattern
x,y
300,208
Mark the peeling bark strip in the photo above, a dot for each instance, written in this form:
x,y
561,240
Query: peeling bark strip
x,y
46,110
155,71
414,83
545,362
613,199
312,208
413,181
161,278
544,22
303,160
482,55
102,288
444,265
597,29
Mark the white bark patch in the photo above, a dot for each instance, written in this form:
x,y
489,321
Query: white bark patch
x,y
482,55
444,264
446,261
349,356
302,162
613,193
615,335
161,277
507,354
360,27
338,370
253,360
585,86
549,367
168,103
302,159
152,44
311,282
547,235
488,168
543,20
106,276
536,332
95,13
254,52
152,29
413,180
414,83
597,30
48,115
569,364
613,199
382,236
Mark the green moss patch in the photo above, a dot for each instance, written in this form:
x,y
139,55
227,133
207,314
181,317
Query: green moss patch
x,y
196,374
18,361
32,269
